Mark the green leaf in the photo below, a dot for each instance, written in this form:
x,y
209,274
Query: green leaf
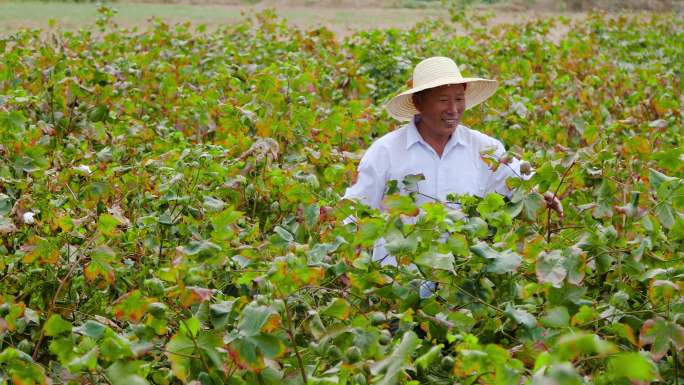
x,y
662,291
624,331
11,354
556,317
665,214
99,113
338,308
284,234
633,366
550,268
397,245
21,368
179,351
562,373
476,227
12,121
115,347
676,233
493,202
254,318
571,346
223,223
56,325
131,306
219,312
269,345
436,260
212,204
101,265
575,262
203,249
63,348
657,178
660,334
208,344
425,360
6,226
411,181
584,315
319,251
393,365
86,361
245,352
190,326
604,198
401,204
370,229
458,244
529,203
128,373
521,316
106,224
499,262
92,329
5,205
311,214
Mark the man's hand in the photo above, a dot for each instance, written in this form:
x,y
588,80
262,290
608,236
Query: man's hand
x,y
553,203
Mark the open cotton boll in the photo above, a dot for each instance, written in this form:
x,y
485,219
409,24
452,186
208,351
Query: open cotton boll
x,y
28,218
84,169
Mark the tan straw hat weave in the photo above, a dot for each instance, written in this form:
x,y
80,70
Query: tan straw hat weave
x,y
434,72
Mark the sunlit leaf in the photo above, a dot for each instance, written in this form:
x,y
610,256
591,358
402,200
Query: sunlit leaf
x,y
661,334
498,262
338,308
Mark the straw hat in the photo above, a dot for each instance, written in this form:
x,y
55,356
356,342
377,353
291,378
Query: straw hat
x,y
434,72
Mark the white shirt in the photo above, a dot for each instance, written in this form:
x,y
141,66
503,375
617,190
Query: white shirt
x,y
460,169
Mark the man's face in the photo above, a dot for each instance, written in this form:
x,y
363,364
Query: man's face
x,y
441,108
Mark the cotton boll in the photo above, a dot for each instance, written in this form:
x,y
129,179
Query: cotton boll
x,y
84,169
28,218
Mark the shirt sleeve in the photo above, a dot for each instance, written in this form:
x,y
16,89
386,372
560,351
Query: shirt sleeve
x,y
371,178
497,179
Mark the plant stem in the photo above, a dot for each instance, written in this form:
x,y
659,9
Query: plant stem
x,y
555,195
161,242
194,342
480,300
53,303
290,334
71,115
676,363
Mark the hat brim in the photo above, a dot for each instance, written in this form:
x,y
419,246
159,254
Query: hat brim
x,y
478,90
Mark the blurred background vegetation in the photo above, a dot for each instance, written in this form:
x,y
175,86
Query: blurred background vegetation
x,y
343,17
505,5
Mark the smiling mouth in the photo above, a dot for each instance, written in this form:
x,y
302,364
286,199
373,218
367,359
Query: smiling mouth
x,y
451,122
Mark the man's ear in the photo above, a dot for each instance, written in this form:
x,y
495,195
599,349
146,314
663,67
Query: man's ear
x,y
416,99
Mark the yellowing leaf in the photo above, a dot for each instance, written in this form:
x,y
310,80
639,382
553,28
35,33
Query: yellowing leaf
x,y
180,350
338,308
101,265
131,306
662,291
661,334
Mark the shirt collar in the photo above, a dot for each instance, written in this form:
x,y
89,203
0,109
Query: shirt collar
x,y
413,136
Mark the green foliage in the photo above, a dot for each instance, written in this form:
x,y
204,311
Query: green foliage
x,y
170,208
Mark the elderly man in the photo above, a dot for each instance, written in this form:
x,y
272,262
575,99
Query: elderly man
x,y
433,143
